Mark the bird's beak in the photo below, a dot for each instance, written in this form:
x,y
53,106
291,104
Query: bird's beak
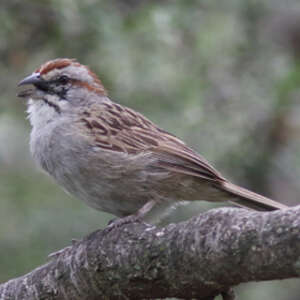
x,y
34,78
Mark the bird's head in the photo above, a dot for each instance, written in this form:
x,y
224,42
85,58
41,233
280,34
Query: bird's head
x,y
61,82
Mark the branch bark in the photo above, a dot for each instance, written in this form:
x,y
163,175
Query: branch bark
x,y
201,258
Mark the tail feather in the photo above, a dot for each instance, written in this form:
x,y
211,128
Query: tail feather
x,y
246,198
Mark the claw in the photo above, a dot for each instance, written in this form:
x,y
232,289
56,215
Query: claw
x,y
116,223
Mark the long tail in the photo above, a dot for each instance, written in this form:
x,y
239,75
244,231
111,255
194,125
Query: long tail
x,y
246,198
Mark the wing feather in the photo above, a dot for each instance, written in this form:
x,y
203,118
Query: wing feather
x,y
121,129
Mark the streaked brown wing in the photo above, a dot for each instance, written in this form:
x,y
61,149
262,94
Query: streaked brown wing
x,y
121,129
185,160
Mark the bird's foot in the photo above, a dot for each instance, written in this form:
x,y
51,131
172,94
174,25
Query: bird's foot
x,y
117,223
134,218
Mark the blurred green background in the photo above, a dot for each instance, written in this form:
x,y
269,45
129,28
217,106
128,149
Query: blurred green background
x,y
222,75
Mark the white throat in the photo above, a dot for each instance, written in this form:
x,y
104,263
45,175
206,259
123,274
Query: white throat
x,y
40,114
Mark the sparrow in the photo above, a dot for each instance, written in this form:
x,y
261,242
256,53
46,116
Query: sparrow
x,y
112,157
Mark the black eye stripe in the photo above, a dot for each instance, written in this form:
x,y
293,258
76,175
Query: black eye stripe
x,y
43,85
57,86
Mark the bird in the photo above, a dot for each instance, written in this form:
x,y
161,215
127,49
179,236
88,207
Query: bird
x,y
112,157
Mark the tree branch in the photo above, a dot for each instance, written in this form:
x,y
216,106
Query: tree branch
x,y
201,258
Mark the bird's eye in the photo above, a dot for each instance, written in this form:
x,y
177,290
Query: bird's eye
x,y
63,79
